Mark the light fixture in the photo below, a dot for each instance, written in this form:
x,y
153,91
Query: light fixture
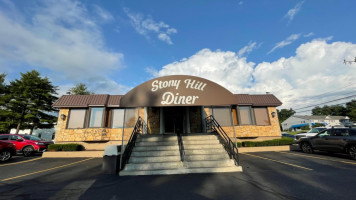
x,y
273,114
63,117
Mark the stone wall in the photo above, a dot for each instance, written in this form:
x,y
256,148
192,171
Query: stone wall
x,y
89,134
109,134
253,131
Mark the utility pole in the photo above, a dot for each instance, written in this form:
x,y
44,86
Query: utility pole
x,y
349,61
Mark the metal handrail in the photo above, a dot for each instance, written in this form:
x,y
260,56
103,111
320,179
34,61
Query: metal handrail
x,y
131,143
181,146
229,145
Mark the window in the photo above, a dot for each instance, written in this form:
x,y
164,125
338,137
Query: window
x,y
245,115
4,137
117,118
340,132
261,116
222,115
76,118
130,117
96,117
15,137
352,132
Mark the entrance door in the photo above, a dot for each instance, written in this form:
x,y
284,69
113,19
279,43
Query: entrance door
x,y
174,119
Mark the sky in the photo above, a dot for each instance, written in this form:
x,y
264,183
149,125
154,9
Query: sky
x,y
293,49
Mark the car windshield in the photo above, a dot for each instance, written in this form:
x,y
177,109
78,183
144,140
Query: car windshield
x,y
31,137
315,130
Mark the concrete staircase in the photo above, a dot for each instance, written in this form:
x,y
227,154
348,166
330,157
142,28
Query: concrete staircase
x,y
153,155
205,154
159,154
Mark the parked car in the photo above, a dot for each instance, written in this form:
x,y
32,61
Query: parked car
x,y
310,133
341,140
7,150
26,144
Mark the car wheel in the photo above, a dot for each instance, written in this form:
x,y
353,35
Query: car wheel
x,y
27,151
5,155
352,152
307,148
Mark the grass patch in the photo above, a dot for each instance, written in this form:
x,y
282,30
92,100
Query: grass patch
x,y
66,147
295,132
275,142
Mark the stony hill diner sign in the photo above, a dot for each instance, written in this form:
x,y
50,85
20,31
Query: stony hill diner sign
x,y
178,90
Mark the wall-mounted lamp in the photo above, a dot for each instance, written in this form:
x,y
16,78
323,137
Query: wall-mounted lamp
x,y
273,114
63,117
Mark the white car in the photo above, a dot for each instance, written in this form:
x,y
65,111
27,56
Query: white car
x,y
312,132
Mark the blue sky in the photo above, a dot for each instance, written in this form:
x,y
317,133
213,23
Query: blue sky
x,y
293,49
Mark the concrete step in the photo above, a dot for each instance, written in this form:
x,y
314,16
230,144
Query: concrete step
x,y
155,153
156,138
199,137
153,166
182,171
194,142
160,159
158,143
202,146
156,148
204,151
208,163
215,169
203,157
153,172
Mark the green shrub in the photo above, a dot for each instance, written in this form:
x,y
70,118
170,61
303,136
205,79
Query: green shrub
x,y
275,142
66,147
306,127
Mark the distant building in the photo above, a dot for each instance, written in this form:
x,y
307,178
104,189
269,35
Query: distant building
x,y
298,121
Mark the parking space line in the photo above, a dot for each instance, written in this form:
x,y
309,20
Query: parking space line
x,y
21,162
46,170
277,161
317,157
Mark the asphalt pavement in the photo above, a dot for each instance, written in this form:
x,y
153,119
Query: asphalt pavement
x,y
266,175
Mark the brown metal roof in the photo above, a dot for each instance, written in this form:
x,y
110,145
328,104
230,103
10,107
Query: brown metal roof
x,y
114,100
81,101
257,100
98,100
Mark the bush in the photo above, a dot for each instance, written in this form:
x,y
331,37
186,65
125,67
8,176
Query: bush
x,y
275,142
306,127
66,147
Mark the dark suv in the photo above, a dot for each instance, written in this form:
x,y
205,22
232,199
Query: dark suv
x,y
341,140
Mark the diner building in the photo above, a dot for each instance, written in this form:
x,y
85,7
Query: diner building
x,y
168,105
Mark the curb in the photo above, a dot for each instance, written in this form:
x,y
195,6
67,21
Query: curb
x,y
268,148
73,154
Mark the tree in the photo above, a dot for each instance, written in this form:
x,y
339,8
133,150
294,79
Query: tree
x,y
5,122
284,114
351,110
80,89
31,100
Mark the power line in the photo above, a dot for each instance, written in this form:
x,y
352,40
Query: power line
x,y
330,105
326,102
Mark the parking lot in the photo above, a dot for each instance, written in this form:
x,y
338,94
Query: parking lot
x,y
266,175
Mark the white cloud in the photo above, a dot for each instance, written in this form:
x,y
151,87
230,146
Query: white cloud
x,y
316,68
214,65
147,26
285,42
292,12
103,14
309,34
244,51
58,36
